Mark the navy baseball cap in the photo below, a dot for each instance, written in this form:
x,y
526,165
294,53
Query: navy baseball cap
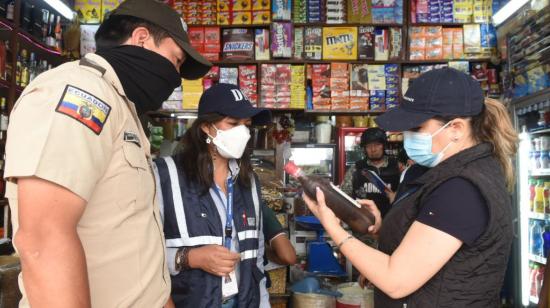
x,y
440,92
157,12
228,100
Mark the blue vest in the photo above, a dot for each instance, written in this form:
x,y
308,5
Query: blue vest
x,y
191,219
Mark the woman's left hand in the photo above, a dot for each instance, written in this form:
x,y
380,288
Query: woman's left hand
x,y
322,211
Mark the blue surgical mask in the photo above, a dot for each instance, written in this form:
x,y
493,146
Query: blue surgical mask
x,y
419,147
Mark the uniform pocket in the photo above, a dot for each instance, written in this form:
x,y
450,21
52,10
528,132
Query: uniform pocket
x,y
131,175
134,155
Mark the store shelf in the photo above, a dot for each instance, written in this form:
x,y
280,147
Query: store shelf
x,y
534,300
4,83
538,216
37,43
532,96
300,61
322,24
231,26
537,259
6,24
540,172
193,112
343,112
540,131
444,61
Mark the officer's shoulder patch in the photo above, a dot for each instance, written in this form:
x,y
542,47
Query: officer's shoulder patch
x,y
84,107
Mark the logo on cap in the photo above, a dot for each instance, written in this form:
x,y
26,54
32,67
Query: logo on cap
x,y
183,24
238,95
410,99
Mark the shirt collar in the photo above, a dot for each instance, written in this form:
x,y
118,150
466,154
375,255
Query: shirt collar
x,y
110,74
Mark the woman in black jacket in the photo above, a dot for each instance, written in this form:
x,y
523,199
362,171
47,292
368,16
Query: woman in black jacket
x,y
446,241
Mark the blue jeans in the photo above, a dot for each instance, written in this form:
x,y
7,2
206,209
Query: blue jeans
x,y
232,303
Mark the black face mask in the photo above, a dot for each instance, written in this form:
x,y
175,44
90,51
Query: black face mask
x,y
148,78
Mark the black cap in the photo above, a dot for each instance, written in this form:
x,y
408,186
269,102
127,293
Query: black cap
x,y
372,135
155,11
439,92
228,100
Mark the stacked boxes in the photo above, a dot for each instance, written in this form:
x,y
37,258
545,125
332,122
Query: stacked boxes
x,y
320,79
336,11
340,43
206,40
392,85
275,89
243,12
359,88
316,11
463,10
299,11
199,12
192,91
437,43
281,9
229,75
313,43
297,87
448,11
339,86
390,11
261,44
298,50
238,44
359,11
377,86
282,39
248,81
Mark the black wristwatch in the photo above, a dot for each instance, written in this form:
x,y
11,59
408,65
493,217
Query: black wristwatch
x,y
182,259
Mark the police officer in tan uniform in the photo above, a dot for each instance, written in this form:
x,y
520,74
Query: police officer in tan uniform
x,y
80,183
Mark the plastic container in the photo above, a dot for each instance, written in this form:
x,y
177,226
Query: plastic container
x,y
312,300
353,296
539,197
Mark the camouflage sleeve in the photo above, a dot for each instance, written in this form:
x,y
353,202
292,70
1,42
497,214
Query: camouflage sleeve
x,y
347,184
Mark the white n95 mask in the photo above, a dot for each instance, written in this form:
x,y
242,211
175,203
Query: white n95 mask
x,y
231,143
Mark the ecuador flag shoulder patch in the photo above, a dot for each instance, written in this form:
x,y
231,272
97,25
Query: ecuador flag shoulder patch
x,y
84,107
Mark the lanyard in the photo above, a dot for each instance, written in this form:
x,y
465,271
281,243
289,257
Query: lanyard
x,y
229,213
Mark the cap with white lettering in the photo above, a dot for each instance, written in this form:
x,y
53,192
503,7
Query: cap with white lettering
x,y
228,100
440,92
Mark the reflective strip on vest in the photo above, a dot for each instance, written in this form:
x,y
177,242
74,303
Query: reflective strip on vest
x,y
249,254
255,200
195,241
249,234
184,239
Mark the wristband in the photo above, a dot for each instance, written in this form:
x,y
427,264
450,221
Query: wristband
x,y
345,240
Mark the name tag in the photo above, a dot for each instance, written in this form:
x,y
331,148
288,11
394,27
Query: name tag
x,y
229,285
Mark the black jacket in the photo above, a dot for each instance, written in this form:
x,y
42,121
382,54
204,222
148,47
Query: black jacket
x,y
473,277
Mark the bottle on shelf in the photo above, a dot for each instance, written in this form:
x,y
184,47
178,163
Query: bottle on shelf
x,y
58,34
18,69
50,38
33,67
533,279
537,242
24,81
546,238
3,60
351,212
4,118
539,276
532,184
10,10
547,197
45,24
539,197
8,73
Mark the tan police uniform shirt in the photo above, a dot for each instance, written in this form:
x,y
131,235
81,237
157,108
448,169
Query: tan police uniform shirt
x,y
75,127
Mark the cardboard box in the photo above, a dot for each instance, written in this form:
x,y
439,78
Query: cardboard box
x,y
340,43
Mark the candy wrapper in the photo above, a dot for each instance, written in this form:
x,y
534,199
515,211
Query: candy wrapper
x,y
238,44
340,43
248,82
298,50
377,100
381,45
396,40
359,11
281,9
313,43
336,11
229,75
281,39
366,43
262,44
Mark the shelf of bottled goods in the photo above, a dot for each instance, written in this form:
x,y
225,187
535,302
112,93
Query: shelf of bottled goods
x,y
534,299
540,172
539,216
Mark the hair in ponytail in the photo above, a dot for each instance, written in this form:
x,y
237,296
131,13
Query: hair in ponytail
x,y
493,125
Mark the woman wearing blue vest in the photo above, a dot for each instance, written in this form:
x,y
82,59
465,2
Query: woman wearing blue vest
x,y
211,207
447,239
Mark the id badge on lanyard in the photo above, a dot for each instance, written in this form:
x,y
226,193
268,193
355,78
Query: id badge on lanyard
x,y
229,282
